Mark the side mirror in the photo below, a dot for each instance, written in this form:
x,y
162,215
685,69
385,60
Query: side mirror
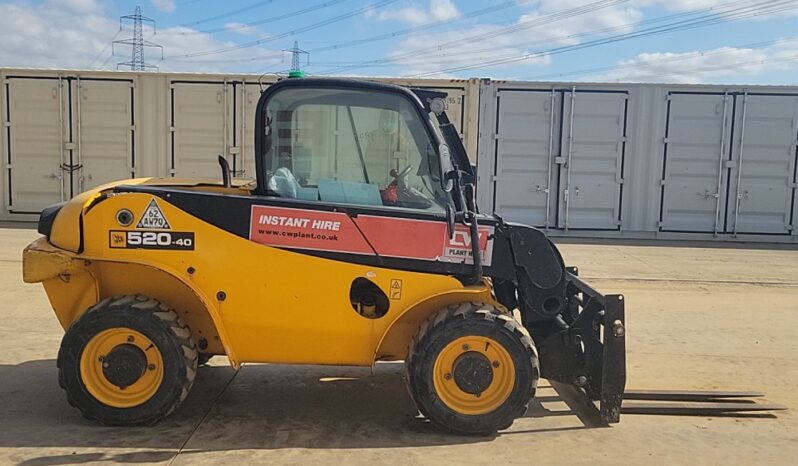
x,y
446,167
450,221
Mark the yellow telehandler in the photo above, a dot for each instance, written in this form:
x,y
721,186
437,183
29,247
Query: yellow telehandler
x,y
357,242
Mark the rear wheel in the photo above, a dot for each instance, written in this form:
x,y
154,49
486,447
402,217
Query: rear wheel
x,y
128,360
472,369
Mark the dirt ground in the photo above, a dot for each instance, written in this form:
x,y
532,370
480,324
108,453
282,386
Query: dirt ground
x,y
697,318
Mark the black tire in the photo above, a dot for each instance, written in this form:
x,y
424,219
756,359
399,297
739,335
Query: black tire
x,y
162,327
462,320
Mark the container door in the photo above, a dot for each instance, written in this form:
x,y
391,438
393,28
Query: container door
x,y
527,140
201,128
591,160
103,114
38,131
763,169
696,166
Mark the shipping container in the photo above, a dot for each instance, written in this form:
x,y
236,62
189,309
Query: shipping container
x,y
577,159
641,160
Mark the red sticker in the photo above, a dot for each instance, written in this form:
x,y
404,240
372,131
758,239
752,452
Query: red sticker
x,y
389,236
403,237
424,239
306,229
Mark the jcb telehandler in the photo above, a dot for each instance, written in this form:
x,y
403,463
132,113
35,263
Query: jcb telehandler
x,y
357,242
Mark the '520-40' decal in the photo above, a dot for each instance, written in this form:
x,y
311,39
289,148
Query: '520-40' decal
x,y
175,240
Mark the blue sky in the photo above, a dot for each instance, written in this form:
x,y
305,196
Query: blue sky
x,y
752,41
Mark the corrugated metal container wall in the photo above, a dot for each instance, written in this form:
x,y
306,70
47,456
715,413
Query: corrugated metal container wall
x,y
64,135
68,130
579,159
641,161
210,118
213,117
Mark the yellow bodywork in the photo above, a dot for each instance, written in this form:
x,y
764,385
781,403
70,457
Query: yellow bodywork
x,y
252,302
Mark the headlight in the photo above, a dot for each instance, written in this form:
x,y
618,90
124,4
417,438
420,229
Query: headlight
x,y
47,217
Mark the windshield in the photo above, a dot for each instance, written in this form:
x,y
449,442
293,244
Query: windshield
x,y
351,146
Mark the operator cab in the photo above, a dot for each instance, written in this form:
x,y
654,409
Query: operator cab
x,y
346,142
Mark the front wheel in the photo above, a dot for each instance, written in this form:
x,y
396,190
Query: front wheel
x,y
472,369
128,360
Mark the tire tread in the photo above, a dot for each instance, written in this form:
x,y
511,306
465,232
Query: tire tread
x,y
457,313
172,323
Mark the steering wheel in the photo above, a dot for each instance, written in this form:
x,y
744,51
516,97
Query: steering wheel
x,y
400,177
410,194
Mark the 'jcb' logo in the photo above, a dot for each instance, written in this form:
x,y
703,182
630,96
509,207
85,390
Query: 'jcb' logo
x,y
118,239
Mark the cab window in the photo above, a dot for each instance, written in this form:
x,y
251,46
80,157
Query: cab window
x,y
352,147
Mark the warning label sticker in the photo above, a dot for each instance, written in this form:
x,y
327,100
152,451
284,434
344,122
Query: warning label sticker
x,y
396,288
153,218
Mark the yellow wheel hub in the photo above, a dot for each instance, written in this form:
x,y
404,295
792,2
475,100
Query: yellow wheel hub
x,y
121,367
474,375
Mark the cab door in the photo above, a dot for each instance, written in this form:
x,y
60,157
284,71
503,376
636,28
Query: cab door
x,y
354,194
362,168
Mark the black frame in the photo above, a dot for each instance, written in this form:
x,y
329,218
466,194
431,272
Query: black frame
x,y
322,83
590,353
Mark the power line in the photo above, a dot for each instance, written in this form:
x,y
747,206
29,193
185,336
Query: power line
x,y
107,46
455,52
101,66
423,28
271,19
731,66
531,23
539,21
712,13
686,56
310,27
280,54
702,21
340,45
228,14
707,20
